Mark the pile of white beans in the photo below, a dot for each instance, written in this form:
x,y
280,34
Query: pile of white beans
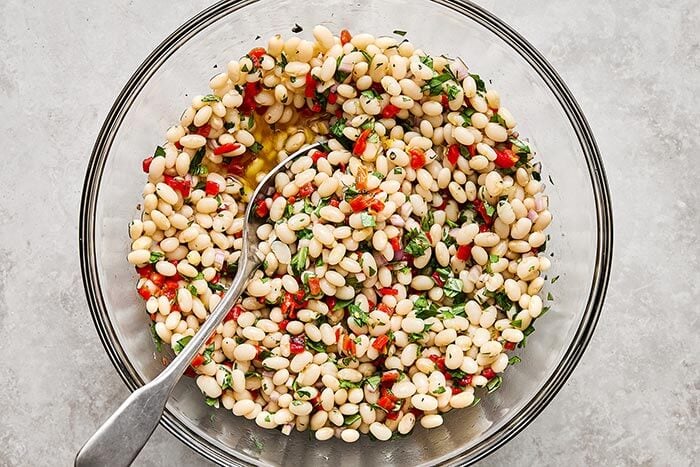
x,y
338,385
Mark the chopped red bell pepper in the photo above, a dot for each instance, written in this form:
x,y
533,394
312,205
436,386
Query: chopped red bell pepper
x,y
386,403
437,279
481,209
376,205
359,203
146,164
331,301
234,313
145,293
349,345
197,360
178,184
388,291
505,159
314,285
306,190
361,178
395,243
157,279
261,209
256,54
464,252
319,155
345,36
361,143
283,325
310,88
211,188
226,148
385,309
488,373
389,377
453,154
455,390
509,345
417,158
334,202
472,150
380,342
332,98
390,111
204,130
145,271
297,344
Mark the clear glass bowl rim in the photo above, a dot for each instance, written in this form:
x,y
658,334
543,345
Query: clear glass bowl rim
x,y
604,246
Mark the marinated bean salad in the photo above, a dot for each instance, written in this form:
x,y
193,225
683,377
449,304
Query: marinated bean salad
x,y
403,262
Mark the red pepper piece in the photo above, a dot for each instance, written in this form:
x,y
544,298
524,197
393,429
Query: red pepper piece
x,y
334,202
385,309
314,285
310,88
211,188
417,158
437,279
226,148
505,159
144,271
306,190
297,344
481,209
388,291
453,154
488,373
361,143
359,203
376,205
319,155
390,111
197,360
395,243
261,209
204,130
379,344
345,36
256,54
145,293
332,98
146,164
509,345
464,252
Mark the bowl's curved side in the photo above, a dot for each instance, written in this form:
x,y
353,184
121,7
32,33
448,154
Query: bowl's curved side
x,y
603,257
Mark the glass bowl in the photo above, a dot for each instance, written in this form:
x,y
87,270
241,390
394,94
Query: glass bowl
x,y
581,234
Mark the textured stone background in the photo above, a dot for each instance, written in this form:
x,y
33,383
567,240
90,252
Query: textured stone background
x,y
634,68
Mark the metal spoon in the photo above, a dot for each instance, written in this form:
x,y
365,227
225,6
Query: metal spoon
x,y
120,439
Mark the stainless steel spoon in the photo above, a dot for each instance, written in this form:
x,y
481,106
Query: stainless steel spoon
x,y
120,439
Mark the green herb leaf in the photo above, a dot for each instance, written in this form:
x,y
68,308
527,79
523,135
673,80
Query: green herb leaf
x,y
434,86
427,221
370,94
494,258
211,98
341,304
318,347
212,402
453,287
349,384
427,61
467,116
417,242
256,147
298,263
159,152
498,119
550,296
358,314
425,308
514,360
350,419
480,86
155,257
373,381
367,219
282,62
179,345
197,161
494,384
439,390
337,131
399,32
228,380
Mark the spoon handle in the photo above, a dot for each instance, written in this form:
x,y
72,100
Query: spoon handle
x,y
120,439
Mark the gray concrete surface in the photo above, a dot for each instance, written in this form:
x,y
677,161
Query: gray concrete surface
x,y
635,69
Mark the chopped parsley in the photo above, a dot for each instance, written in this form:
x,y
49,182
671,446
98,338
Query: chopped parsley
x,y
494,384
373,381
318,347
196,167
155,256
514,360
211,98
367,219
399,32
358,314
212,402
159,152
452,287
427,61
425,308
344,384
434,86
298,263
256,147
417,242
179,345
480,86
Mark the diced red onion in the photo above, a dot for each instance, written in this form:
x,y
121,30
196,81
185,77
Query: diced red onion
x,y
460,69
396,220
345,67
540,203
532,215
